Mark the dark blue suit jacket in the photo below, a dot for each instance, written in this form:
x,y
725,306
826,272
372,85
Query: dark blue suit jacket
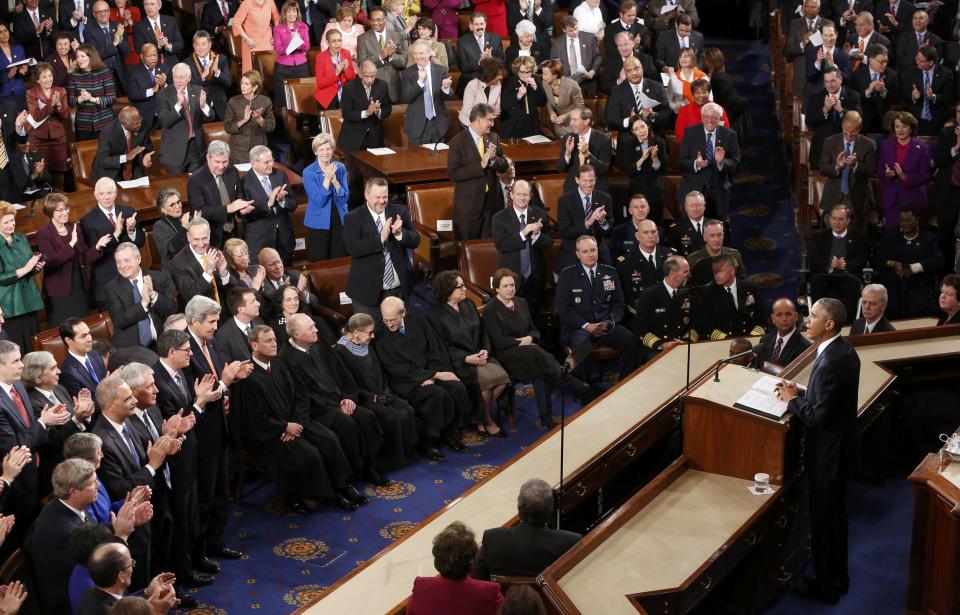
x,y
828,410
74,376
578,304
23,497
51,554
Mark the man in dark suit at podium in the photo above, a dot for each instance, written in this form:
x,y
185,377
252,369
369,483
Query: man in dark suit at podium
x,y
785,343
526,549
828,410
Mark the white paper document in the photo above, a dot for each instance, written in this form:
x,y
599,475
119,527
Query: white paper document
x,y
243,167
762,399
815,39
536,139
647,102
295,42
380,151
27,62
143,182
435,146
665,78
666,8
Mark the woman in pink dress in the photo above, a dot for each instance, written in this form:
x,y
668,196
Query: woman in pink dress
x,y
253,23
346,26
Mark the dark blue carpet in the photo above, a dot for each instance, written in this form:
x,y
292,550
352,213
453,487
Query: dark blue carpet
x,y
290,559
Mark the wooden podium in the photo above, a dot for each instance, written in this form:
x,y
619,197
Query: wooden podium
x,y
683,534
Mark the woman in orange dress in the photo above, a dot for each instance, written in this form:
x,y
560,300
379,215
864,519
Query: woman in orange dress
x,y
254,23
682,78
127,14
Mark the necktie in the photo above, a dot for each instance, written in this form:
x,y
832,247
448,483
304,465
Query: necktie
x,y
185,101
153,74
955,173
733,297
919,40
874,76
128,166
775,355
636,97
652,262
480,147
93,373
225,11
106,32
592,278
130,446
388,279
178,379
709,151
925,114
525,269
428,109
380,41
222,189
111,219
265,184
845,174
20,407
205,349
153,437
157,32
4,159
143,325
574,63
699,229
36,20
673,293
586,205
810,25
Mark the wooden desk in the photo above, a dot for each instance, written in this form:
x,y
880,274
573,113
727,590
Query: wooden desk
x,y
934,560
416,164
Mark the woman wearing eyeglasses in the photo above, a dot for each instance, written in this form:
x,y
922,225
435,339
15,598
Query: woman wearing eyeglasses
x,y
521,100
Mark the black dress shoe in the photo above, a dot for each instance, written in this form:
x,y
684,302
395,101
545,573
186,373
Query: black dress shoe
x,y
298,507
374,478
350,493
546,423
456,445
186,600
578,388
345,504
812,589
197,579
207,565
431,454
228,553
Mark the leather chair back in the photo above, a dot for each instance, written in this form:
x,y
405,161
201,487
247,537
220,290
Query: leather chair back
x,y
263,62
214,131
82,154
17,568
478,262
329,279
101,327
431,207
550,189
673,152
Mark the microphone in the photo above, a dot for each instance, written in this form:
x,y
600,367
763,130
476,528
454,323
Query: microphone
x,y
730,359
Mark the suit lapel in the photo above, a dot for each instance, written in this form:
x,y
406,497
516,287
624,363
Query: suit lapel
x,y
11,408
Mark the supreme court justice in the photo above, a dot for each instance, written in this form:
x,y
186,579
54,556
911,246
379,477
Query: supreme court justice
x,y
827,407
785,343
418,369
333,397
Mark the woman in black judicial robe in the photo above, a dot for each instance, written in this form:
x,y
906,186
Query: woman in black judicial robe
x,y
261,405
515,340
457,323
353,352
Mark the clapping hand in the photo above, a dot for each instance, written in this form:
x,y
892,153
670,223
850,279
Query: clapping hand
x,y
888,171
131,224
914,93
14,462
54,415
446,83
83,405
700,162
719,154
203,98
12,596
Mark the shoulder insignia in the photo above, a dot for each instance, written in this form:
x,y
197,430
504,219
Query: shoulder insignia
x,y
621,258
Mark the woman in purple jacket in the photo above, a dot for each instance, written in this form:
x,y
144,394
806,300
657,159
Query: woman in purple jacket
x,y
903,168
444,14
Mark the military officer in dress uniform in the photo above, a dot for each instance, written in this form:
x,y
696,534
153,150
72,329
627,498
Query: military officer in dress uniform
x,y
663,311
731,305
642,267
590,304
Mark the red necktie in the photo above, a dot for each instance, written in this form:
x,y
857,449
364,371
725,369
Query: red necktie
x,y
24,415
128,167
225,11
110,218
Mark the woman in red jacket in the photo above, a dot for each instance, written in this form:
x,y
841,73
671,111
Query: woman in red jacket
x,y
334,69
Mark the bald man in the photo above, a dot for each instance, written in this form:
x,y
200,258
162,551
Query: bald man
x,y
124,150
785,343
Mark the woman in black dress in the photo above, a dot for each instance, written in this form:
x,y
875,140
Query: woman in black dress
x,y
457,322
353,350
642,155
521,99
515,340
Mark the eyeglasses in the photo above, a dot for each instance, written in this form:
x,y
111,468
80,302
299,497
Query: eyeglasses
x,y
133,563
186,350
392,321
459,286
61,210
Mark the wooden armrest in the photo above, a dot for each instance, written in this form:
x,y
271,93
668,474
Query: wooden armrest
x,y
478,295
427,232
332,316
83,180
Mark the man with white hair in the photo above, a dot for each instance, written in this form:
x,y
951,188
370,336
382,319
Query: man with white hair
x,y
709,160
199,268
268,222
120,222
873,303
424,86
214,192
182,108
138,300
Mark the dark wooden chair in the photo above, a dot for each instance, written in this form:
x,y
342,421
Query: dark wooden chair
x,y
431,207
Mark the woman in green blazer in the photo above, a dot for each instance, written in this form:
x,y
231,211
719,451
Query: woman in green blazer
x,y
18,292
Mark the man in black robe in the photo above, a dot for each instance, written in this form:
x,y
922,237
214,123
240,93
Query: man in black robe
x,y
272,419
419,369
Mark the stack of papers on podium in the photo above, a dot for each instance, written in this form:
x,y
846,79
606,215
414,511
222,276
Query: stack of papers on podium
x,y
380,151
762,399
536,139
435,146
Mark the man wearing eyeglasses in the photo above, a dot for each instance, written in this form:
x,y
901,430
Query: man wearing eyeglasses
x,y
111,568
877,86
124,150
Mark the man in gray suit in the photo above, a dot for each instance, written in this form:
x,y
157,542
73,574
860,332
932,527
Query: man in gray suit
x,y
387,50
182,108
585,63
848,161
424,87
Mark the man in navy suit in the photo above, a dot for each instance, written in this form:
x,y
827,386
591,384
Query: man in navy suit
x,y
591,307
19,427
144,81
33,27
214,190
819,58
473,47
785,343
84,367
214,19
585,146
76,16
424,86
669,44
110,41
929,90
828,410
199,268
120,222
170,43
873,303
584,210
379,267
626,100
709,157
139,300
210,71
909,42
268,221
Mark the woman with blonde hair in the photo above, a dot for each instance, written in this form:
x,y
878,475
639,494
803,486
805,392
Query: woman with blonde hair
x,y
522,100
18,293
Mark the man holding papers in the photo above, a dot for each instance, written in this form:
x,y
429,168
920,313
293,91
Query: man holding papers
x,y
637,96
828,410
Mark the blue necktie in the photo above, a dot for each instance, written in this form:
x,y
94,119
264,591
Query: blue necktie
x,y
143,326
845,174
130,446
428,109
709,152
525,269
403,330
93,373
388,279
925,114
